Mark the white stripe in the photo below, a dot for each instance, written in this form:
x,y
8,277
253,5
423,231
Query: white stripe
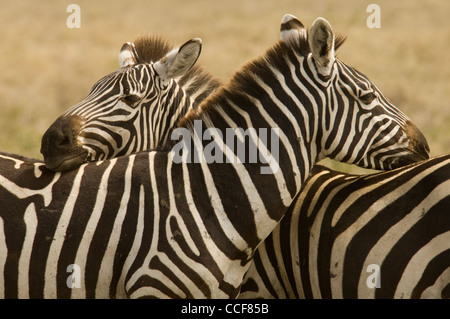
x,y
215,200
173,212
156,213
338,127
218,255
264,223
120,292
107,265
341,242
270,272
293,241
434,291
384,245
287,143
357,193
31,221
51,267
314,110
253,274
280,263
283,109
193,289
279,177
144,270
145,132
23,192
148,291
88,234
419,262
315,229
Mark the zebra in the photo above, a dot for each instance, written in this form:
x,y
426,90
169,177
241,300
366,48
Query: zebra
x,y
131,54
143,225
157,86
190,85
384,235
91,131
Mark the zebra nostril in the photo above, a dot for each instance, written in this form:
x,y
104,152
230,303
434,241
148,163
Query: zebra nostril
x,y
61,136
59,145
57,139
64,139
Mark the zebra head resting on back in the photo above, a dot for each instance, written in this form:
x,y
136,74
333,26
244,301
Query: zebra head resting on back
x,y
131,109
144,225
108,123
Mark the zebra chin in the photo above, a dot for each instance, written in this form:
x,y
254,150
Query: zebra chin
x,y
405,160
416,152
393,161
67,162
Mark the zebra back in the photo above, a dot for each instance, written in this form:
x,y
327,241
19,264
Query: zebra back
x,y
384,235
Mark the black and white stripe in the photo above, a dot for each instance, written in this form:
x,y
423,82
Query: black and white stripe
x,y
340,224
132,109
145,226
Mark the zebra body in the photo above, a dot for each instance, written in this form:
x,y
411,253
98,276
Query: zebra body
x,y
144,225
115,238
342,228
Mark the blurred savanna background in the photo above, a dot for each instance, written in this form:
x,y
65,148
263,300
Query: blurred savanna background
x,y
47,67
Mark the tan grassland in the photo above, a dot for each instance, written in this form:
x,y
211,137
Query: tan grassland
x,y
46,67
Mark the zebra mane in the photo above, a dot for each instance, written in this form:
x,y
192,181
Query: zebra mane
x,y
275,57
197,82
242,83
151,48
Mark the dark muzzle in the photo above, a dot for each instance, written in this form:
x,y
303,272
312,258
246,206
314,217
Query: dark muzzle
x,y
60,146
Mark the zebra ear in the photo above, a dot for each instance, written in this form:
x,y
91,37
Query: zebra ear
x,y
321,42
291,29
178,61
128,55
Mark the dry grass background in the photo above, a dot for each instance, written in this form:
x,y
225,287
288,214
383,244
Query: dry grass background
x,y
45,67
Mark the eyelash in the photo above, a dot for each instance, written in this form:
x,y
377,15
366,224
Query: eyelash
x,y
131,99
368,97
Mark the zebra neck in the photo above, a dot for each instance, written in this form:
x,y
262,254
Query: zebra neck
x,y
251,180
186,93
198,84
163,114
264,113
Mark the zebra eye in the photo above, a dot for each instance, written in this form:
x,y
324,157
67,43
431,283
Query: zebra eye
x,y
131,100
368,97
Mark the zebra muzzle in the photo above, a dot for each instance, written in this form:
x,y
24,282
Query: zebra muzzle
x,y
59,145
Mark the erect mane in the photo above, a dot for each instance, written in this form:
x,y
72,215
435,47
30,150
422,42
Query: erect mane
x,y
243,80
197,82
274,57
151,48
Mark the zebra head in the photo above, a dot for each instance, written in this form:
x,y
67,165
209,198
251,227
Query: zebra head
x,y
359,124
130,109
